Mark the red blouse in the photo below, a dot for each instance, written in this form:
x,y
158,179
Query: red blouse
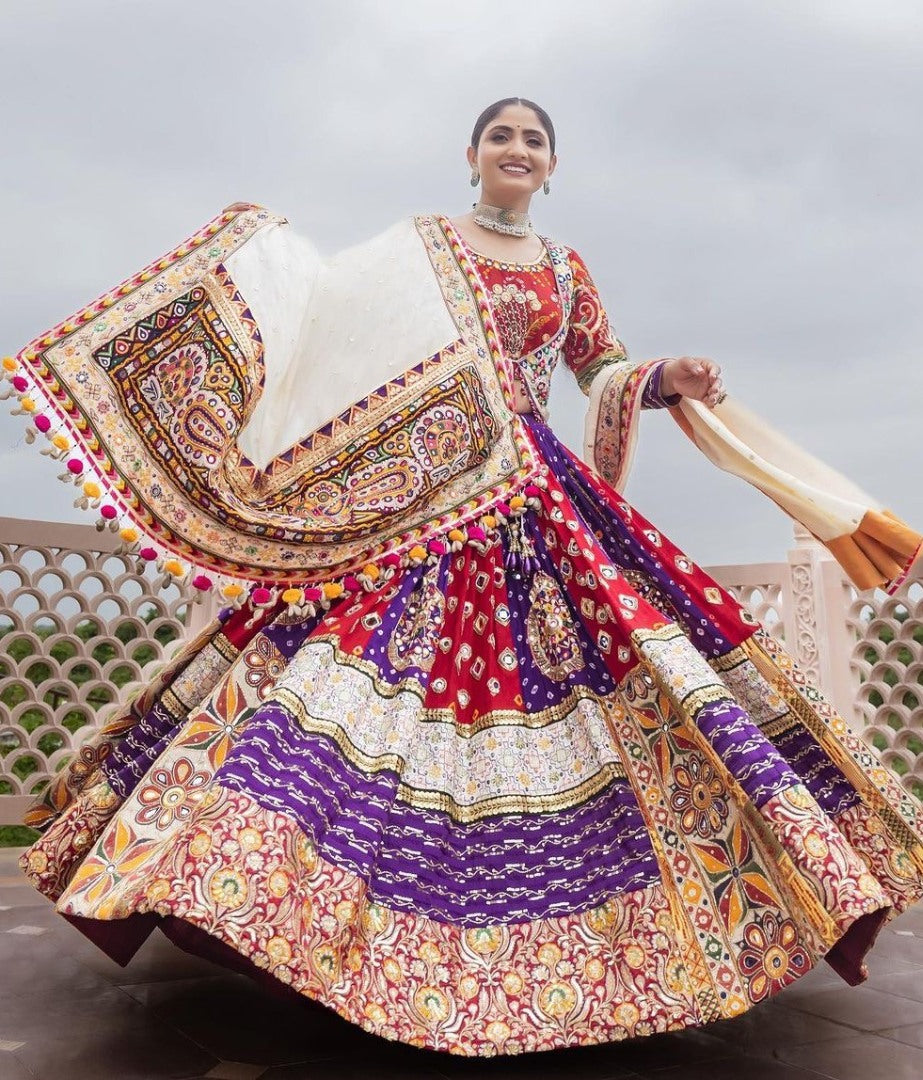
x,y
528,311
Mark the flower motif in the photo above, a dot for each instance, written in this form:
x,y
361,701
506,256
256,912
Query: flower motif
x,y
773,956
738,880
265,666
431,1004
557,999
498,1031
483,939
375,919
119,852
171,795
278,950
228,888
699,798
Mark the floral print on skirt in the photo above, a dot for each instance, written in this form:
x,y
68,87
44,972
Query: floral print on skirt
x,y
556,789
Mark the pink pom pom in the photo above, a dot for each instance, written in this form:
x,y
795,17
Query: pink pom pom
x,y
391,559
149,554
533,491
313,594
20,384
437,547
503,508
475,532
261,596
109,512
202,583
351,583
75,466
43,424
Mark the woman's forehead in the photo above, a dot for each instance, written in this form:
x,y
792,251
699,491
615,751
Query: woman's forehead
x,y
517,118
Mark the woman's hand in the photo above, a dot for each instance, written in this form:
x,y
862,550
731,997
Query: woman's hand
x,y
694,377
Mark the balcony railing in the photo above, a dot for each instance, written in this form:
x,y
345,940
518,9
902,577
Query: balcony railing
x,y
82,624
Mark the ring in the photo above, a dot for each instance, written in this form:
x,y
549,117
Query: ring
x,y
721,397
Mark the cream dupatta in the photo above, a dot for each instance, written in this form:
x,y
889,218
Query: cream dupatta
x,y
274,416
873,546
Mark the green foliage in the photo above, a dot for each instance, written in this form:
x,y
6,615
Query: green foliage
x,y
17,836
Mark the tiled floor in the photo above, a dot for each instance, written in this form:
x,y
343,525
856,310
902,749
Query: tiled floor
x,y
68,1013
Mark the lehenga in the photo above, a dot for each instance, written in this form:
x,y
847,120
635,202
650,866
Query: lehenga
x,y
533,781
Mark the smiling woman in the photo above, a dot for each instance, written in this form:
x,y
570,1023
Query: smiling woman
x,y
481,759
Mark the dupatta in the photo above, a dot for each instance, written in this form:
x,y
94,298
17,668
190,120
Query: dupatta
x,y
873,546
270,415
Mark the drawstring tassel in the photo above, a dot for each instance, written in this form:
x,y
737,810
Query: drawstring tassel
x,y
520,558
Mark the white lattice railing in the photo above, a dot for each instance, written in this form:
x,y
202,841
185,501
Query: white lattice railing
x,y
80,625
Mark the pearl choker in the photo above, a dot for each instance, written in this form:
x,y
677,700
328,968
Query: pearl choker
x,y
509,222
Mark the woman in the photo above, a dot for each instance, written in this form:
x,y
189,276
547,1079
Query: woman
x,y
483,761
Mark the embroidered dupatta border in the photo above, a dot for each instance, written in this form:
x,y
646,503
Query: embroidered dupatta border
x,y
58,363
611,430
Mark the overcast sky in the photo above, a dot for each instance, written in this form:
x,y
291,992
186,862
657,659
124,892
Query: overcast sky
x,y
745,181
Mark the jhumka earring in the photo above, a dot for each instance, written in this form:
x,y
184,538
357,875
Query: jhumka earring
x,y
475,178
546,187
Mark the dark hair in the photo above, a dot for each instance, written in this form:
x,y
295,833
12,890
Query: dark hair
x,y
493,111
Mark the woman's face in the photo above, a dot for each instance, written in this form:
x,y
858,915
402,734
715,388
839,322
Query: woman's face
x,y
513,156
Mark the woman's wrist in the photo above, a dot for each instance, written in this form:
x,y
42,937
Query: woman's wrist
x,y
667,369
655,394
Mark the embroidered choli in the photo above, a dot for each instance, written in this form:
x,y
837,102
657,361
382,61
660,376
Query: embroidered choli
x,y
530,302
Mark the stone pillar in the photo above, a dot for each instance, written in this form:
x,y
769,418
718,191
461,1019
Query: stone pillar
x,y
816,630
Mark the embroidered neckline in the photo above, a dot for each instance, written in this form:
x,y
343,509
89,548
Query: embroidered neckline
x,y
504,264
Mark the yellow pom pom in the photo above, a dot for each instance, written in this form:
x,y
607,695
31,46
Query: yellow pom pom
x,y
232,591
61,442
9,363
456,536
92,490
371,571
27,404
174,567
293,596
517,502
130,536
489,521
417,552
332,589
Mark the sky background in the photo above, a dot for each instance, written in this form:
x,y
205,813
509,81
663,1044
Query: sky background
x,y
745,181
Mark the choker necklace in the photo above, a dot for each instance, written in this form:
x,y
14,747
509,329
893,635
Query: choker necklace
x,y
509,222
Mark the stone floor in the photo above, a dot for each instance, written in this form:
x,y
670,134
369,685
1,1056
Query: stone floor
x,y
66,1011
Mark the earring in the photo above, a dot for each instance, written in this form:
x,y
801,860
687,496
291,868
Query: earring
x,y
475,178
546,187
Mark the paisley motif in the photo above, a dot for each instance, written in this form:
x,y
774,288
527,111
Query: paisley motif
x,y
416,635
550,632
